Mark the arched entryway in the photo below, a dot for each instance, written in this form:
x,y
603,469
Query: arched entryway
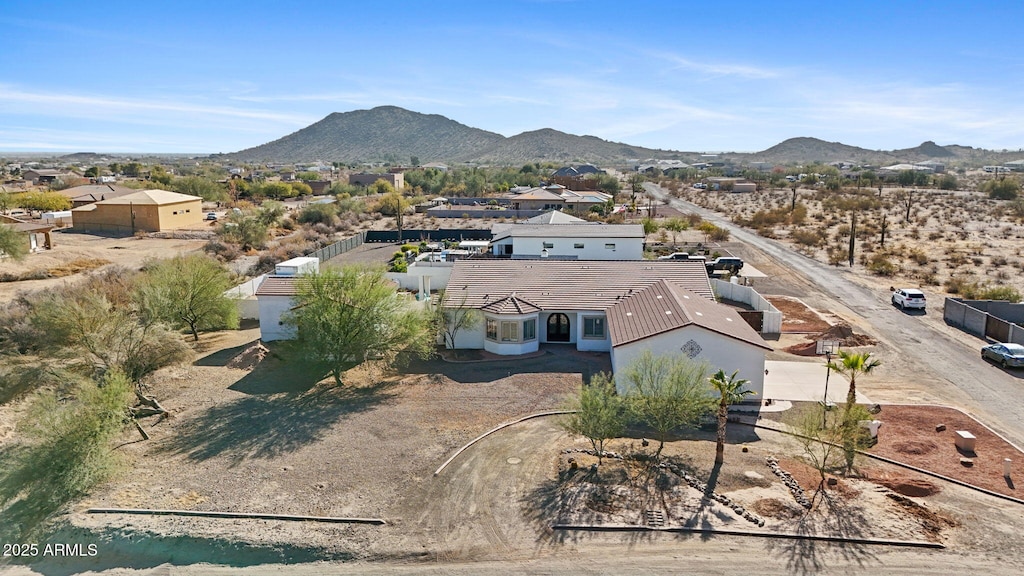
x,y
558,328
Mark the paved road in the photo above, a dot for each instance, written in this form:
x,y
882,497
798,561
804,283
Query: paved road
x,y
948,365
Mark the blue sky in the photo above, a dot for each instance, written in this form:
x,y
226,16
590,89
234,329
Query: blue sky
x,y
217,76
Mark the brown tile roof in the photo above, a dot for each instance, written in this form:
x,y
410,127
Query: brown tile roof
x,y
278,286
665,306
511,305
567,284
97,190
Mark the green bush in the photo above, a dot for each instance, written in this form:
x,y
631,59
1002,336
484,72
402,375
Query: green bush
x,y
400,265
881,265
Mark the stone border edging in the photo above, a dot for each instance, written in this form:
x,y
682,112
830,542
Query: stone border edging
x,y
779,535
908,466
237,515
495,429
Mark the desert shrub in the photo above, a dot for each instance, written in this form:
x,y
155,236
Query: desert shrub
x,y
1001,188
718,234
288,224
317,214
1007,293
323,230
960,285
998,261
808,237
224,252
918,257
880,265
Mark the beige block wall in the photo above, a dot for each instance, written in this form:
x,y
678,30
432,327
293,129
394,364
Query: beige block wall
x,y
181,215
148,218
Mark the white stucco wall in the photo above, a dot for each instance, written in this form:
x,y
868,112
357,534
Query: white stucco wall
x,y
272,308
592,344
438,272
471,338
593,248
718,351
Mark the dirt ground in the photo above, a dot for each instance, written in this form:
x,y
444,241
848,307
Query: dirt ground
x,y
958,234
94,253
250,432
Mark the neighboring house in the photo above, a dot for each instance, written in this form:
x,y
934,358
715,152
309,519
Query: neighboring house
x,y
397,179
570,241
275,296
572,171
90,193
144,210
580,202
622,308
549,198
37,236
436,166
42,176
731,184
319,186
556,197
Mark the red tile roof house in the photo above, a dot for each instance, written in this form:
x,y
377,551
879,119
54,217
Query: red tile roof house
x,y
620,307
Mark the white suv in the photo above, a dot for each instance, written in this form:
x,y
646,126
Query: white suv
x,y
908,298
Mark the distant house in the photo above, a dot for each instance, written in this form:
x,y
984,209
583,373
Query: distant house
x,y
555,197
548,198
397,180
319,186
436,166
571,241
622,308
574,171
90,193
144,210
731,184
43,176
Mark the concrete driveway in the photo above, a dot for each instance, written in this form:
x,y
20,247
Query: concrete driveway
x,y
805,382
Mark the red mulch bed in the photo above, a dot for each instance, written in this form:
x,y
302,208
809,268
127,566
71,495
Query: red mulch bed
x,y
908,435
797,317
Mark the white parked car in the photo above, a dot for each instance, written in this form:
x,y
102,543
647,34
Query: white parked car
x,y
908,298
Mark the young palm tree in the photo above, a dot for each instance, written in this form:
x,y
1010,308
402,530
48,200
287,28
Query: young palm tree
x,y
852,364
730,391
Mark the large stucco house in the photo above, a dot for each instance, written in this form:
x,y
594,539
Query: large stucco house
x,y
619,307
570,241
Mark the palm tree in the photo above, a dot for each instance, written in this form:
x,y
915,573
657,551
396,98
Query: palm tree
x,y
852,364
730,391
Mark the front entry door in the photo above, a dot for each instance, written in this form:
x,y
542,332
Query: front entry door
x,y
558,328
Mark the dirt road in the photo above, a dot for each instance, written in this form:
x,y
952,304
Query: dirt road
x,y
923,359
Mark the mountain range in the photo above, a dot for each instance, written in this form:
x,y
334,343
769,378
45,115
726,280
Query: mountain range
x,y
393,134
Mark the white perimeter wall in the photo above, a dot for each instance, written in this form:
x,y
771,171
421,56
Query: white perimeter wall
x,y
718,351
437,272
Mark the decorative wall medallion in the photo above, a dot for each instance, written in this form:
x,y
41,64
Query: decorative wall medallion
x,y
691,349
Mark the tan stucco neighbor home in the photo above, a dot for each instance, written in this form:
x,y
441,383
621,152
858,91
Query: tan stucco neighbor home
x,y
619,307
145,211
